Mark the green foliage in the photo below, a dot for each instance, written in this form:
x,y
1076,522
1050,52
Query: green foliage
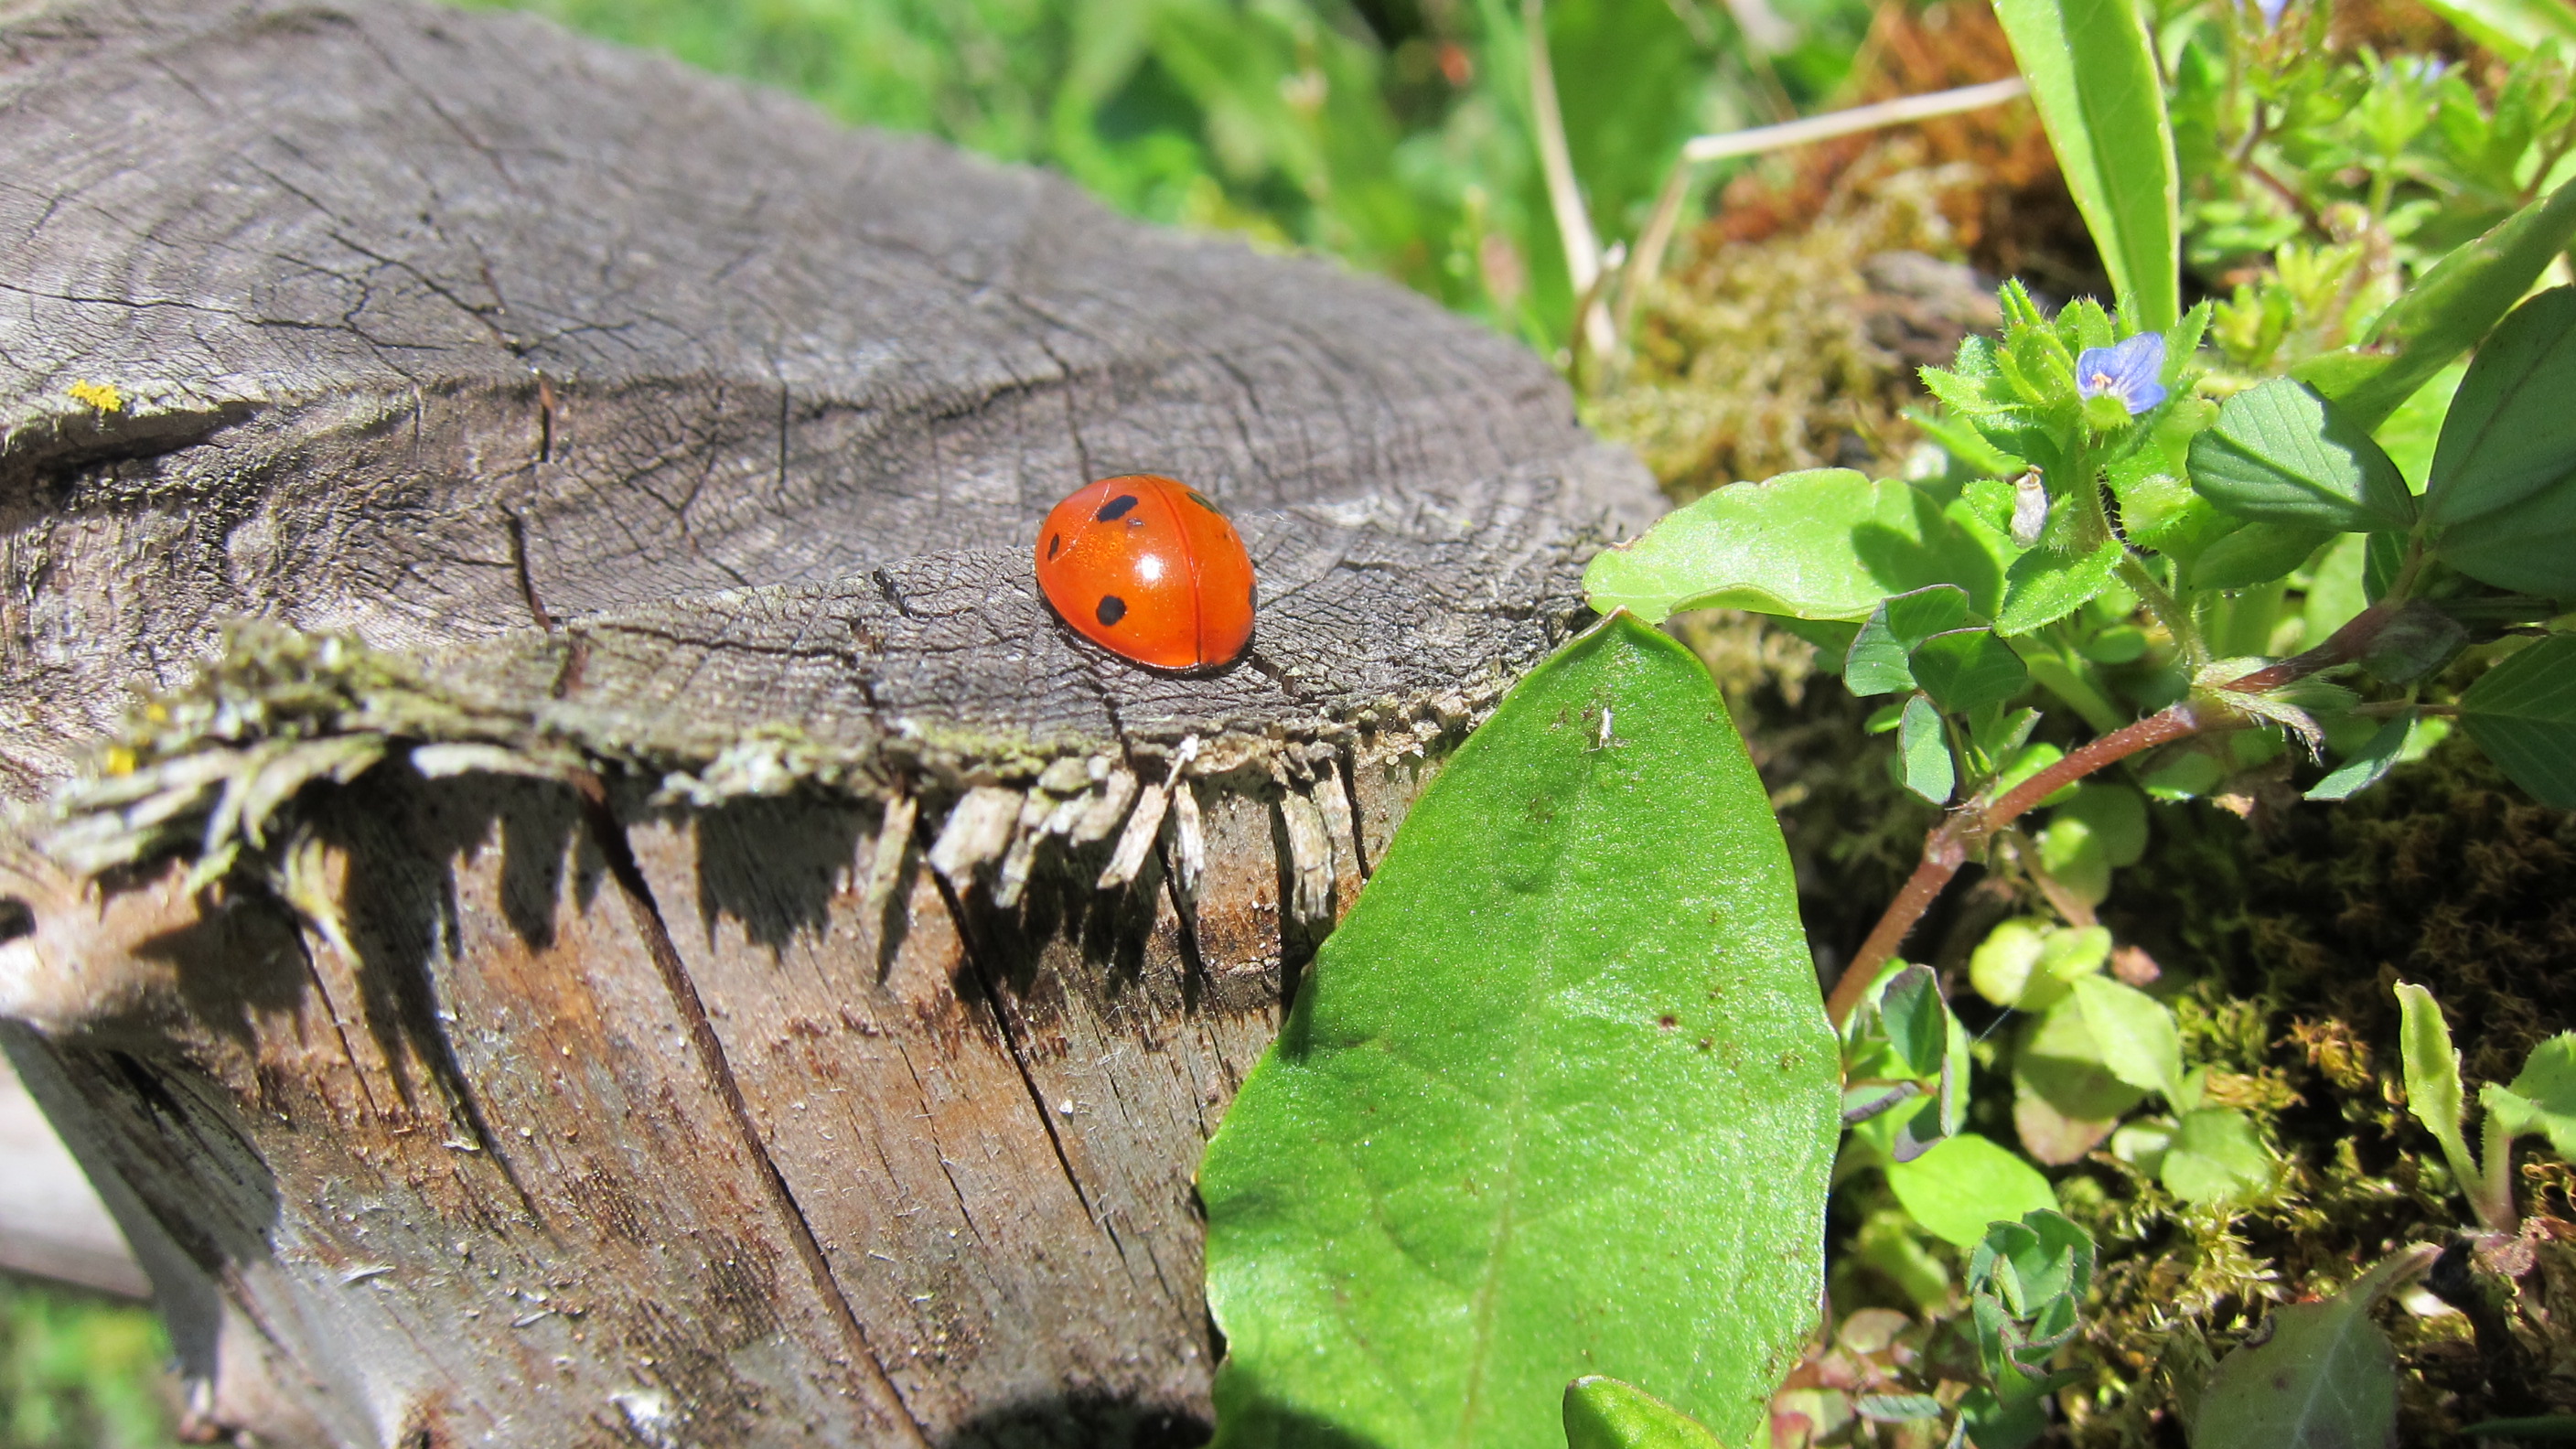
x,y
1822,544
2026,1286
1557,1096
2093,76
2542,1098
2502,492
2325,1377
2523,714
77,1372
2281,454
2444,314
1965,1183
1604,1413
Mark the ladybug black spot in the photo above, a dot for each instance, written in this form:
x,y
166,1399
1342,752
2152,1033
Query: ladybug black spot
x,y
1054,542
1199,499
1116,507
1112,609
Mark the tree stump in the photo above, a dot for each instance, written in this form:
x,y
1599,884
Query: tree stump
x,y
653,934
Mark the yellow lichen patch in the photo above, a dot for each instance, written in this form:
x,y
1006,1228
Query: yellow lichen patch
x,y
103,396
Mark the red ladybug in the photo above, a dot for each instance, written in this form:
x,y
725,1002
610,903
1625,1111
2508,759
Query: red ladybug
x,y
1148,568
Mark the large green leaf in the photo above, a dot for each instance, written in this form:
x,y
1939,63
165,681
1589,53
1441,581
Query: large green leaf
x,y
1823,544
1557,1098
2094,80
2511,431
2444,313
2503,484
2523,714
2281,453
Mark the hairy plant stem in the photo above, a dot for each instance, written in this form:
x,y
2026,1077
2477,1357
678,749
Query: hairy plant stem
x,y
2164,608
1965,831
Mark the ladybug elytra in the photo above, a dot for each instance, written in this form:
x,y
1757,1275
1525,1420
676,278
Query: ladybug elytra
x,y
1149,569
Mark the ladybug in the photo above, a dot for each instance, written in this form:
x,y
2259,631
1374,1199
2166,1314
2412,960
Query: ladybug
x,y
1149,569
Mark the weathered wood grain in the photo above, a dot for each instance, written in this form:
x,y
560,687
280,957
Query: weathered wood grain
x,y
708,960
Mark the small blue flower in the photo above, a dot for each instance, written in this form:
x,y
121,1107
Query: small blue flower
x,y
2127,372
2272,10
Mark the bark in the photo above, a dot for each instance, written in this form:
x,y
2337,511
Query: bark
x,y
655,935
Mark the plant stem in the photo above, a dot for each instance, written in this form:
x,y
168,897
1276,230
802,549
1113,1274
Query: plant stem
x,y
1947,847
2492,1198
2164,608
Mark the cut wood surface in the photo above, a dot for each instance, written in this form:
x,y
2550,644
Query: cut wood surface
x,y
657,936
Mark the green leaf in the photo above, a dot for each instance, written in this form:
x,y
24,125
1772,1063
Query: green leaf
x,y
1959,1187
2114,815
2432,1070
2094,80
2523,714
2004,968
2368,763
2445,313
1916,1019
2064,1100
2068,852
2543,1097
1603,1413
1921,743
1967,669
2216,1157
1558,1095
2510,28
2503,485
1823,544
2254,554
2136,1033
2510,433
2325,1378
2282,454
2044,586
1876,663
2036,1263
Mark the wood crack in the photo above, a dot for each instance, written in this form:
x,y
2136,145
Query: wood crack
x,y
610,837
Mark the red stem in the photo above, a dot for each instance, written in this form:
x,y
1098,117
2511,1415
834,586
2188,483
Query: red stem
x,y
1948,845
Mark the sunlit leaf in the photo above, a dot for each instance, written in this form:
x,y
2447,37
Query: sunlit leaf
x,y
2510,28
2431,1067
2445,313
2543,1097
2044,586
1605,1413
2135,1032
1967,1182
1558,1097
2093,77
2282,454
1823,544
